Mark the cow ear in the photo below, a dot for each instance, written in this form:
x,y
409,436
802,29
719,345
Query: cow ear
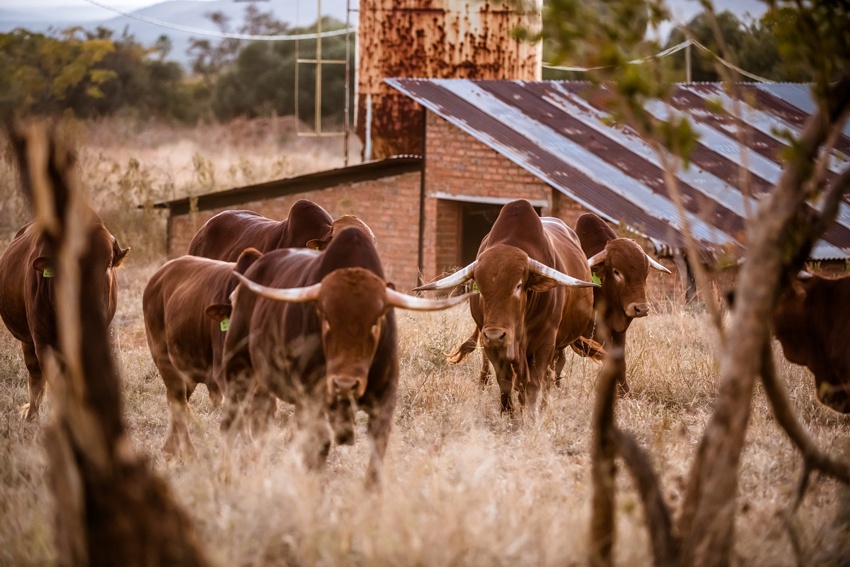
x,y
318,243
119,257
42,263
246,260
537,282
218,311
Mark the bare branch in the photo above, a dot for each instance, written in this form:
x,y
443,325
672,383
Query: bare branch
x,y
665,544
603,451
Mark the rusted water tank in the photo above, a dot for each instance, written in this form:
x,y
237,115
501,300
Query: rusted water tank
x,y
442,39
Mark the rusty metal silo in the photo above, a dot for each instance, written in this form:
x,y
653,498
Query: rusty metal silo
x,y
443,39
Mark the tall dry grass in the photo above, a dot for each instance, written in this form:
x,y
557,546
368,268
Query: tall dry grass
x,y
463,485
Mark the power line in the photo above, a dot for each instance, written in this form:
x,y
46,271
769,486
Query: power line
x,y
224,35
669,51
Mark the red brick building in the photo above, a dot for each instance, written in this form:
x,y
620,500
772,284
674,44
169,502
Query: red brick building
x,y
455,192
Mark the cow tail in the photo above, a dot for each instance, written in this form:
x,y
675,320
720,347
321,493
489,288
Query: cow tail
x,y
588,348
464,349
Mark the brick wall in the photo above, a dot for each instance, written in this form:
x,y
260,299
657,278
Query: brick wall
x,y
390,206
458,165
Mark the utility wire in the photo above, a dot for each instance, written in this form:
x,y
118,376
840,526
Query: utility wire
x,y
295,37
669,51
225,35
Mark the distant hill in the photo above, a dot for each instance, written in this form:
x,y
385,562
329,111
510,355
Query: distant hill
x,y
188,13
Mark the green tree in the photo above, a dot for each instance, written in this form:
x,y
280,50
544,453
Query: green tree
x,y
43,74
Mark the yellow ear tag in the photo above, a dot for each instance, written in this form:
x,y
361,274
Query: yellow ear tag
x,y
595,279
48,273
225,323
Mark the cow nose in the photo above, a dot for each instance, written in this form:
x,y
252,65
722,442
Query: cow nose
x,y
638,310
344,385
494,336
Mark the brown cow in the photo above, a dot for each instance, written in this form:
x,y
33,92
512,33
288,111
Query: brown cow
x,y
317,329
531,275
812,323
27,268
185,306
622,267
228,233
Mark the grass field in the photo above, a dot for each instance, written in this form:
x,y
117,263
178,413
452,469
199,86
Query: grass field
x,y
462,484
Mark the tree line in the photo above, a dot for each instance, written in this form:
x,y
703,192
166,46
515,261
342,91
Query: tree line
x,y
98,73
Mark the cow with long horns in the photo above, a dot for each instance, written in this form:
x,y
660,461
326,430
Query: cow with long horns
x,y
317,329
621,266
534,297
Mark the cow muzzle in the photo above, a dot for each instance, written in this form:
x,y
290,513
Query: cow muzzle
x,y
499,339
341,386
636,310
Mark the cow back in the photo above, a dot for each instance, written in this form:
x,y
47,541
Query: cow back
x,y
227,234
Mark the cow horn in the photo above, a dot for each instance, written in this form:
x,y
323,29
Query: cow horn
x,y
657,265
804,275
456,278
295,294
597,258
561,278
405,301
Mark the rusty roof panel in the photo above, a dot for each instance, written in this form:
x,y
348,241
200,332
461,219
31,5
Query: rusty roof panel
x,y
559,131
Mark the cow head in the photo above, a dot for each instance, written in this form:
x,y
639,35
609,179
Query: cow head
x,y
104,253
352,305
622,267
791,317
504,276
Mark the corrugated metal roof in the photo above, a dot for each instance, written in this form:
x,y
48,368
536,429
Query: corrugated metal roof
x,y
558,131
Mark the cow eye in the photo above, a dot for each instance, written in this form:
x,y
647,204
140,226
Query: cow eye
x,y
618,275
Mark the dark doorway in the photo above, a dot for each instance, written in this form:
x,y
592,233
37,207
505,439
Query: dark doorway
x,y
476,220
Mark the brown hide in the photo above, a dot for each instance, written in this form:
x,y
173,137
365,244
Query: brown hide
x,y
26,294
228,233
622,274
299,351
186,344
317,329
521,317
812,323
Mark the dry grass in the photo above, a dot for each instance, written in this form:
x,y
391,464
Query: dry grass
x,y
462,484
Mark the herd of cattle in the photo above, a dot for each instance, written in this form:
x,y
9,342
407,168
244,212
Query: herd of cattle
x,y
300,310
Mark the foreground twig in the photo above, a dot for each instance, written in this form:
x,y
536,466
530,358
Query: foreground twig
x,y
813,457
665,545
110,508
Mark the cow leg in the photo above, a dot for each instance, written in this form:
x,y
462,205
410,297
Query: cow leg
x,y
484,376
380,425
505,378
215,393
35,385
341,418
560,362
177,393
314,440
